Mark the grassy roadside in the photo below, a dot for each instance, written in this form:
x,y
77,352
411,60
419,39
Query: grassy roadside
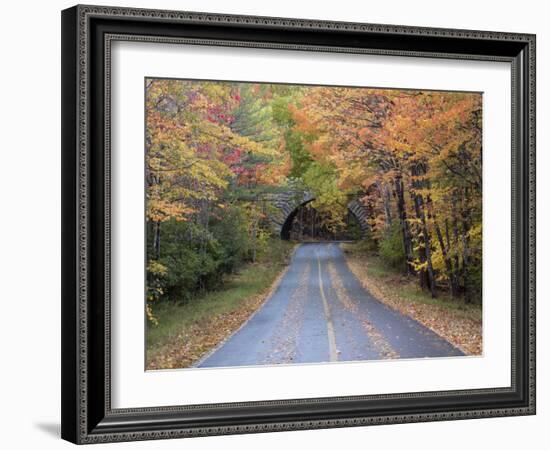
x,y
455,321
188,331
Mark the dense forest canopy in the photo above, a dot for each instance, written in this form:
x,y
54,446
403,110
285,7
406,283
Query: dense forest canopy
x,y
215,149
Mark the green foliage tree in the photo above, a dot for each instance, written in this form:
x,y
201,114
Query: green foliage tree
x,y
390,247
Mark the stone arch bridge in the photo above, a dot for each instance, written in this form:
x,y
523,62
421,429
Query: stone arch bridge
x,y
287,204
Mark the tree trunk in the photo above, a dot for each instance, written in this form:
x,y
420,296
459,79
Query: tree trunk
x,y
426,275
386,198
301,222
456,243
448,262
156,240
254,241
407,241
466,250
445,248
455,274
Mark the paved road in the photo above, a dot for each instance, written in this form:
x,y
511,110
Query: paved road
x,y
320,312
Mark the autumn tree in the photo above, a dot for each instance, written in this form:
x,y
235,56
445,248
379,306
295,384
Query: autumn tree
x,y
414,157
204,141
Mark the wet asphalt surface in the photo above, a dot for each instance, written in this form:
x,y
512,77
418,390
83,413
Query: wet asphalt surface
x,y
320,312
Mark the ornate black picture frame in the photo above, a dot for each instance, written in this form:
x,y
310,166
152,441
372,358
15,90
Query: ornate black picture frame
x,y
87,34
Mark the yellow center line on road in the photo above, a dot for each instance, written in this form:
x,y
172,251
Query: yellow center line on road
x,y
330,327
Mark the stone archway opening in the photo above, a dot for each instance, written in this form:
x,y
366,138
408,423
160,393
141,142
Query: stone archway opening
x,y
284,206
287,224
305,223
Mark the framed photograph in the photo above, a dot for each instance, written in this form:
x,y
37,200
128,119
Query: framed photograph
x,y
280,224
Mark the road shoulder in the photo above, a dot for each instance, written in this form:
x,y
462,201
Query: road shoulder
x,y
460,327
189,344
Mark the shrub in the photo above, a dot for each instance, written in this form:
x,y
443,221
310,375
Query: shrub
x,y
195,257
390,247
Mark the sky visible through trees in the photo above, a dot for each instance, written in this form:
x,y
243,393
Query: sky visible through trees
x,y
216,150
